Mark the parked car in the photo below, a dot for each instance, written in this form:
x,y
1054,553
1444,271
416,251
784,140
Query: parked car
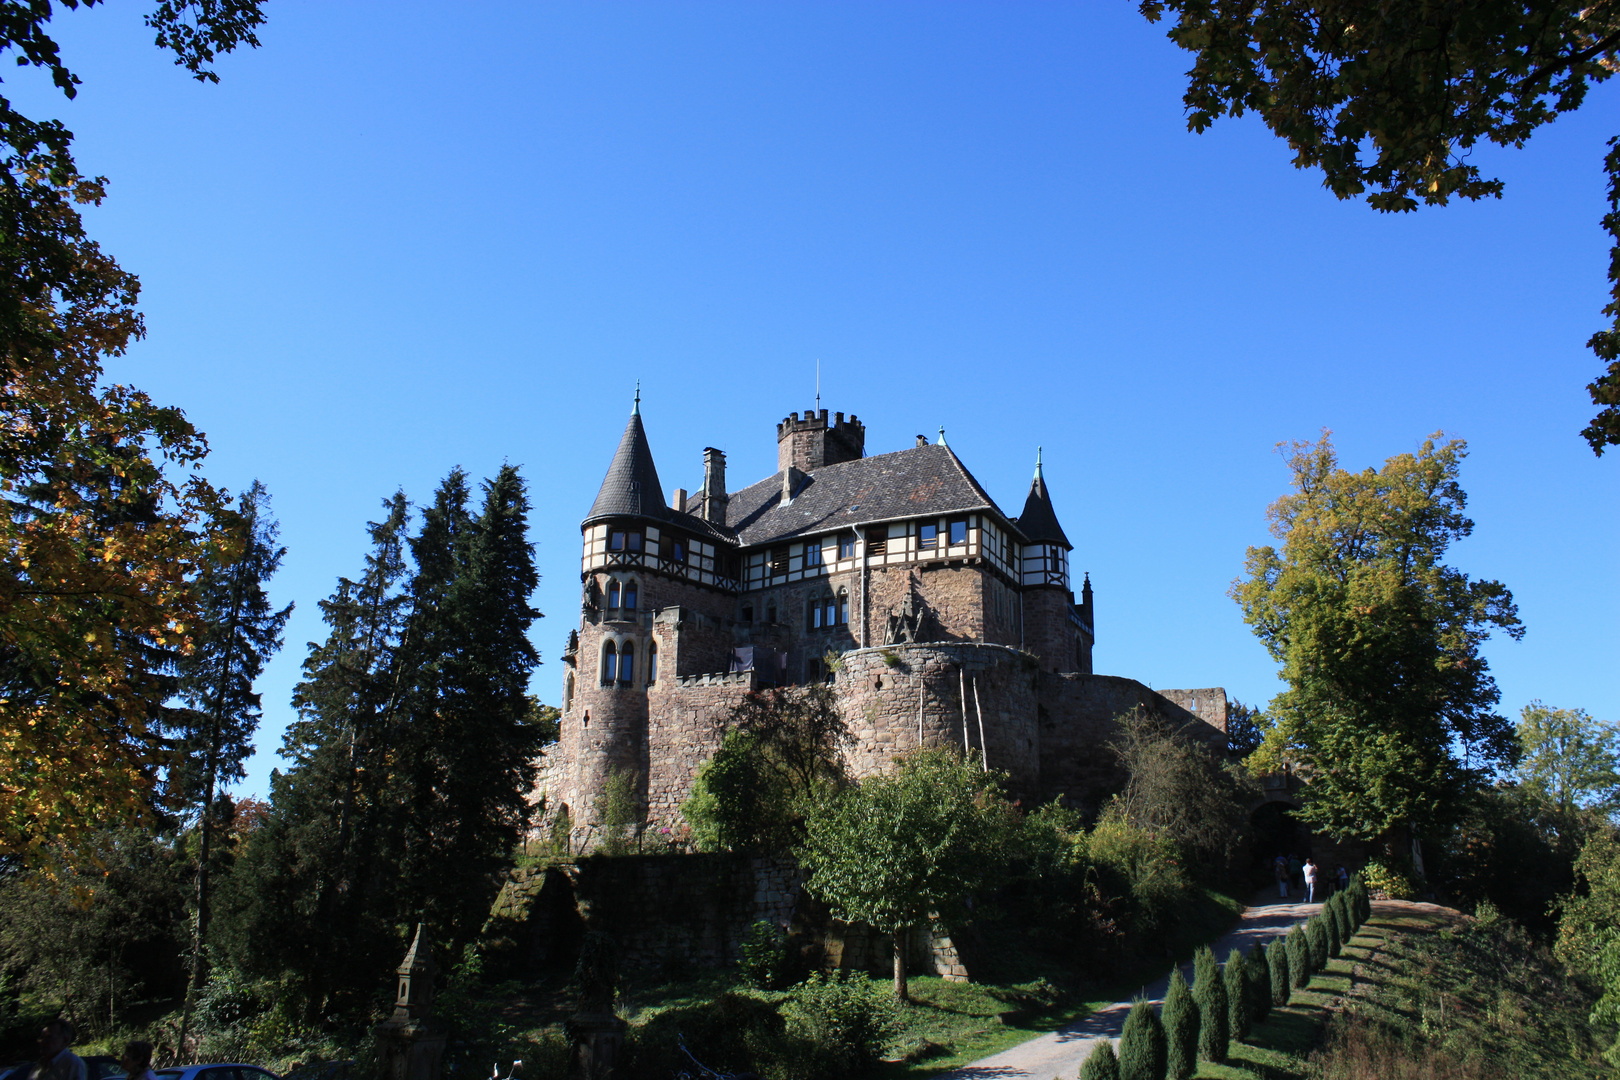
x,y
219,1071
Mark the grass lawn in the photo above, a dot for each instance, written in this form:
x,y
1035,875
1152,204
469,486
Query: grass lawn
x,y
1425,995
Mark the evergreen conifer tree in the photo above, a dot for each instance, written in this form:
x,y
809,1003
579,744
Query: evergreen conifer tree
x,y
1142,1050
1316,937
1235,976
1101,1064
1180,1018
1299,957
1341,913
1259,984
1278,967
1210,993
1330,924
240,630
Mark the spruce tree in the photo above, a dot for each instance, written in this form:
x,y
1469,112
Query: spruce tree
x,y
1278,971
1101,1064
1330,924
1235,976
240,631
1259,983
1341,912
1316,937
1142,1051
1180,1018
1299,958
1210,993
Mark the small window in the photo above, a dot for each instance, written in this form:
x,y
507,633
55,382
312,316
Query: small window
x,y
568,692
877,542
770,613
779,563
748,613
843,608
630,597
610,664
846,546
613,595
812,616
677,550
927,536
652,663
959,532
615,541
632,541
812,554
627,665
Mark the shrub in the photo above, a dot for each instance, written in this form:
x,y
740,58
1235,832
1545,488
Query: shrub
x,y
1395,878
1260,983
1180,1018
1299,957
1148,863
1330,924
1316,937
1142,1051
1277,970
1101,1064
849,1017
724,1034
616,812
1235,976
764,955
1210,993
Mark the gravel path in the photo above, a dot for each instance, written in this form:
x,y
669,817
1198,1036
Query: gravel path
x,y
1061,1053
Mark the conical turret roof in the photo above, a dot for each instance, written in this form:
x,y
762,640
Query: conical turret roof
x,y
631,485
1039,521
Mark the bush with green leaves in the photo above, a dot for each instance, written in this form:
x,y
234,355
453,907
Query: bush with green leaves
x,y
1146,863
1101,1063
1142,1048
1395,878
1330,924
617,814
847,1016
1180,1019
1213,1008
764,956
1259,984
1317,938
1277,966
1339,910
1235,975
1299,957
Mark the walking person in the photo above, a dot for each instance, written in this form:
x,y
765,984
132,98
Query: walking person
x,y
137,1060
1279,870
1344,878
56,1061
1310,881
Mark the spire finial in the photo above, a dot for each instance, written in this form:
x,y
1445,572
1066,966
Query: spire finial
x,y
1037,462
942,441
636,409
818,384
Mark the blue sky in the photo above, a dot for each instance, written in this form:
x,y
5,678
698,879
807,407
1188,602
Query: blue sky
x,y
402,237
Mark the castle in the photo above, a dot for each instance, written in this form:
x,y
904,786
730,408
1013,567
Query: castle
x,y
952,623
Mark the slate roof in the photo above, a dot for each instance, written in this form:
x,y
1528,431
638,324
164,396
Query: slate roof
x,y
1039,521
631,485
908,483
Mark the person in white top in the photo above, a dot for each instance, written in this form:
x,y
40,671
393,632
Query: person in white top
x,y
1310,881
137,1060
56,1061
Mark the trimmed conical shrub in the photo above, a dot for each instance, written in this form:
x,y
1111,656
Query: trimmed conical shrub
x,y
1330,924
1259,984
1236,977
1281,979
1299,957
1141,1045
1180,1017
1210,993
1346,920
1316,935
1101,1064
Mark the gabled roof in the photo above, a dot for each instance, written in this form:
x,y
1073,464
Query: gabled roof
x,y
631,485
908,483
1039,521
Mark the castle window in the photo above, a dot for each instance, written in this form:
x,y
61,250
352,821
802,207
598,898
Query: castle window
x,y
779,563
615,541
629,597
652,662
927,536
959,532
846,546
748,613
812,554
627,665
610,664
568,691
843,607
770,613
677,550
812,615
613,596
877,541
632,541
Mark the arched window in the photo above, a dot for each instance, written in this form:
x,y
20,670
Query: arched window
x,y
613,595
610,664
843,607
568,691
627,664
629,597
652,662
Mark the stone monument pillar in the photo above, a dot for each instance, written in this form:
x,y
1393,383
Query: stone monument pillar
x,y
409,1046
595,1034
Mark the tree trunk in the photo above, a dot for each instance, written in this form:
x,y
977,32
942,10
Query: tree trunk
x,y
900,990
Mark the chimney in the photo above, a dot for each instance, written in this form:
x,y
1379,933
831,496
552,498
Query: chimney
x,y
792,478
922,440
714,486
678,500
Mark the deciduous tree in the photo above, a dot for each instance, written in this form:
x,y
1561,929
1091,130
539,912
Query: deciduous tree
x,y
1389,98
1569,761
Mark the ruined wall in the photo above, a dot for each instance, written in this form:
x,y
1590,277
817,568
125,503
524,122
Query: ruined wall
x,y
882,690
